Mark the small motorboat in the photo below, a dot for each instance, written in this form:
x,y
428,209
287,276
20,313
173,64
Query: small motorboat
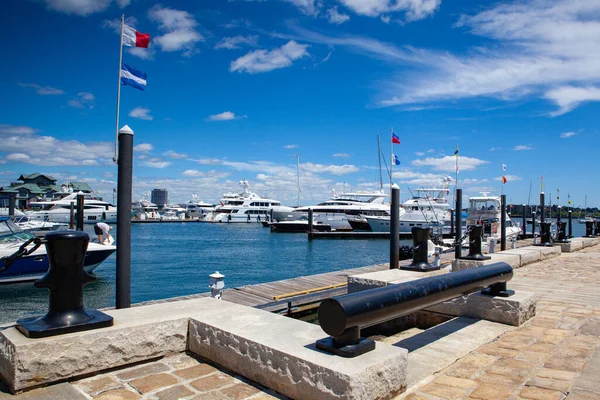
x,y
33,266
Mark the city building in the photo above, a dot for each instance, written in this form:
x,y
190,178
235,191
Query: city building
x,y
160,197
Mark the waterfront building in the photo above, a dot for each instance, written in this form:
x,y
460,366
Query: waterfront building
x,y
160,197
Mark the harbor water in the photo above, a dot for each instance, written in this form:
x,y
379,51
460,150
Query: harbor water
x,y
175,259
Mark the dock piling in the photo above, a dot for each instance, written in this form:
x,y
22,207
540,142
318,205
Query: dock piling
x,y
125,168
524,221
503,222
310,224
12,200
570,235
395,228
80,216
458,228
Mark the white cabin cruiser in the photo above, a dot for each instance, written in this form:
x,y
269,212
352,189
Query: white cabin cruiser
x,y
242,207
485,210
196,208
145,210
60,210
342,211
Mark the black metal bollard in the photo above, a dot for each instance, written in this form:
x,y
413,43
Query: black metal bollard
x,y
451,223
80,215
503,222
65,279
395,227
545,239
542,206
524,221
475,238
570,224
589,229
561,230
420,245
597,228
12,200
458,229
533,226
310,224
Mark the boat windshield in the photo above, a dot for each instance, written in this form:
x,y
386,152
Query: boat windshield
x,y
9,232
484,205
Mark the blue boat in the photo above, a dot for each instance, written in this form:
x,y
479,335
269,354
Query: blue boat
x,y
33,266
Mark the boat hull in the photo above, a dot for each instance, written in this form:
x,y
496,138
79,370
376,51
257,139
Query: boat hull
x,y
297,227
89,217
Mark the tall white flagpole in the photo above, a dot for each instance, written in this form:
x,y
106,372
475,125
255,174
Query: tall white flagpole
x,y
502,176
119,90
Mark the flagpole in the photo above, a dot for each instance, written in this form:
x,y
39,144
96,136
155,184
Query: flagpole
x,y
502,177
456,184
391,159
119,90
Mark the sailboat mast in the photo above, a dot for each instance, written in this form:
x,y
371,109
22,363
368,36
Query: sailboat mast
x,y
379,157
298,178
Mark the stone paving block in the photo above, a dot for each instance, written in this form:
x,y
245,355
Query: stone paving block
x,y
96,386
501,380
550,384
588,379
535,393
280,353
549,252
211,382
455,382
196,371
445,392
572,246
488,391
174,393
526,255
556,374
239,391
62,391
152,382
119,394
153,368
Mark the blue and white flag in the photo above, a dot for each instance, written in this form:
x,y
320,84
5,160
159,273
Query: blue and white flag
x,y
133,77
396,160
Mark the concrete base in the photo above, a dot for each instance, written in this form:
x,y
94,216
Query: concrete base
x,y
588,242
280,353
516,258
514,310
371,280
138,334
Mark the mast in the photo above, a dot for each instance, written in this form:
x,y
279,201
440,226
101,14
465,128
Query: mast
x,y
119,90
391,159
379,157
298,178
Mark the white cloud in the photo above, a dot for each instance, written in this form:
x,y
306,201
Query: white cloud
x,y
16,130
258,61
235,42
522,147
174,154
143,147
331,169
82,100
43,90
179,29
568,98
141,113
290,146
509,178
78,7
495,148
567,134
420,153
211,173
448,163
413,9
225,116
308,7
209,161
155,163
414,178
18,157
341,155
335,17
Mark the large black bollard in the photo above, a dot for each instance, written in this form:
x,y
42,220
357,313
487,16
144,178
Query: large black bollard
x,y
395,227
65,279
420,245
542,211
475,238
589,229
561,232
125,182
524,221
80,216
503,222
570,224
545,239
458,227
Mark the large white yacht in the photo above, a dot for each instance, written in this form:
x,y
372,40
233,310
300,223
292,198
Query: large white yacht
x,y
485,210
60,210
144,210
196,208
242,207
342,211
428,208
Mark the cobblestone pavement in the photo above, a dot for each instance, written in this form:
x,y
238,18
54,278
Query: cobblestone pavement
x,y
171,378
554,356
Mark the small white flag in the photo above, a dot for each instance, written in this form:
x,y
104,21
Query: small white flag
x,y
503,167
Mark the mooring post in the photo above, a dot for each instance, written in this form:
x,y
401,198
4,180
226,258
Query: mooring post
x,y
524,221
503,222
12,200
458,228
395,227
80,199
310,224
542,206
271,216
558,217
451,223
533,225
72,216
570,235
125,169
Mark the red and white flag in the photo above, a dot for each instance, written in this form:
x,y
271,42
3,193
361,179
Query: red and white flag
x,y
133,38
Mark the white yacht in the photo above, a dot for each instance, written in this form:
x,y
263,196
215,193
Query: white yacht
x,y
485,210
145,210
342,211
242,207
172,212
196,208
60,210
428,208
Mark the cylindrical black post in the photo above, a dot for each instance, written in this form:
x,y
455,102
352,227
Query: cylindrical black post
x,y
570,235
12,200
80,199
542,206
72,216
451,223
524,221
271,216
597,228
533,225
458,227
589,228
503,222
123,295
395,227
558,217
310,224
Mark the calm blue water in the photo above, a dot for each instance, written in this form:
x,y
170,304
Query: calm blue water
x,y
175,259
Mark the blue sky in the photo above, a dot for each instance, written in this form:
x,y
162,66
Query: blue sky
x,y
236,89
